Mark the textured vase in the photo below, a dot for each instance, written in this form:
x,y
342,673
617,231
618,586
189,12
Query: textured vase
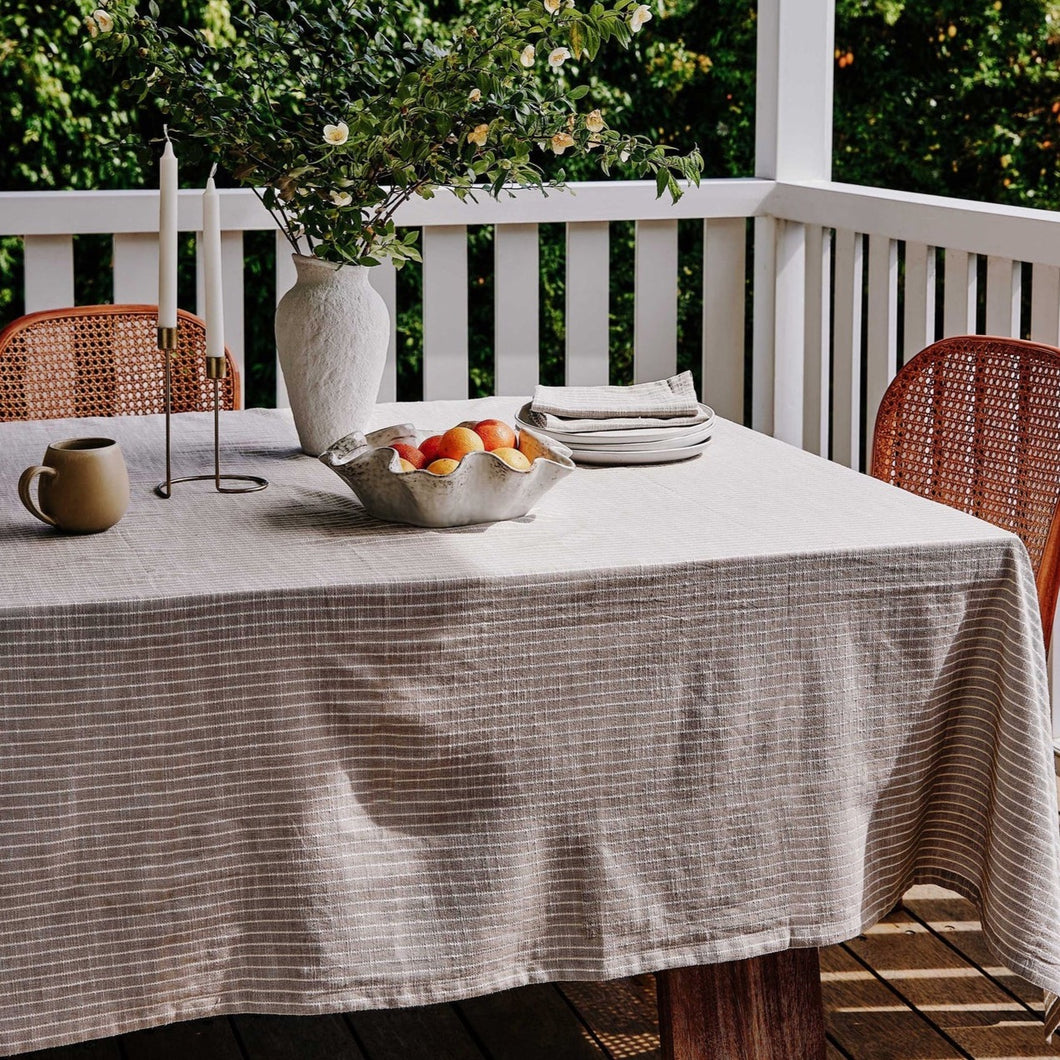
x,y
332,332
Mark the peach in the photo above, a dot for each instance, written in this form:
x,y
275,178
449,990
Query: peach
x,y
429,447
443,466
405,465
410,453
457,442
495,434
512,457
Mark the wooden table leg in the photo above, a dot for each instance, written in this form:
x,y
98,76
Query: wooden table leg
x,y
766,1008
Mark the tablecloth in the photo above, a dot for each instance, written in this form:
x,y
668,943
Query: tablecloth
x,y
265,753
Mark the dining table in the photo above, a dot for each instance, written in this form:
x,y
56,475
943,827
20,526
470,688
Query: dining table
x,y
263,752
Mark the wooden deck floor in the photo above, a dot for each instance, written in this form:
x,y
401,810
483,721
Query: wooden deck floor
x,y
919,986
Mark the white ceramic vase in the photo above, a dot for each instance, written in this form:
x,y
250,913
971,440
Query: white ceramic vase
x,y
332,332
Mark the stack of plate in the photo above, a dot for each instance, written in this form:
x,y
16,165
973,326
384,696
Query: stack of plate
x,y
635,445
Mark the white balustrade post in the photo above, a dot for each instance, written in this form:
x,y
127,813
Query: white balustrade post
x,y
793,142
789,343
49,268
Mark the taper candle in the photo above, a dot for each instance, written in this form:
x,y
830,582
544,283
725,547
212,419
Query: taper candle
x,y
167,238
211,241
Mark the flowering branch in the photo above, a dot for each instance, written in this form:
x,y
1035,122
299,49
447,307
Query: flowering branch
x,y
336,127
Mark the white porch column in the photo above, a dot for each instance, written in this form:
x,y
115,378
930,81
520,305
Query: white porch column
x,y
793,142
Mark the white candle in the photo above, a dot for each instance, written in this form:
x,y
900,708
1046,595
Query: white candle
x,y
211,245
167,238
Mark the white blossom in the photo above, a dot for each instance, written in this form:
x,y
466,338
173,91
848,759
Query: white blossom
x,y
552,6
478,134
341,198
561,141
103,20
639,17
336,134
557,57
594,121
474,95
526,56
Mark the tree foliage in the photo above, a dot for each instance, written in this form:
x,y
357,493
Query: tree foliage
x,y
951,97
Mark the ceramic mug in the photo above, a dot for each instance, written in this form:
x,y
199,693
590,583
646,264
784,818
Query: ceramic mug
x,y
83,488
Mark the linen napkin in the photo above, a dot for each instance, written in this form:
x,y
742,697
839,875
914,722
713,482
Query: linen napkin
x,y
661,403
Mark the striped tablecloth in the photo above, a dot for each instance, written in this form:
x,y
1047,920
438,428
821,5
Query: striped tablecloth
x,y
264,753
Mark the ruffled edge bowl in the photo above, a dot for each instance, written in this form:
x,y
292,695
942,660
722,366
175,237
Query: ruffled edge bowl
x,y
482,489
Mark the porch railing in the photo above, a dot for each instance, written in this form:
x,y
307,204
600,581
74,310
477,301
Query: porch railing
x,y
846,282
866,277
49,221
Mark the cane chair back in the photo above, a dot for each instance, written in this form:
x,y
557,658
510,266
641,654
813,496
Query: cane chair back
x,y
103,360
974,422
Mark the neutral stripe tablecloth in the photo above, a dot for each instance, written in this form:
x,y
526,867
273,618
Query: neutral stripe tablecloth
x,y
264,753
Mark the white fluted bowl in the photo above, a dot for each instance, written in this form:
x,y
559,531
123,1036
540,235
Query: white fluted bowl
x,y
482,489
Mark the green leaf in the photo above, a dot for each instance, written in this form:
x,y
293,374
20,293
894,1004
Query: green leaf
x,y
592,42
662,178
577,39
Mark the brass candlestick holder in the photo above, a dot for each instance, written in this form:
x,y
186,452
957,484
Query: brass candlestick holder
x,y
216,370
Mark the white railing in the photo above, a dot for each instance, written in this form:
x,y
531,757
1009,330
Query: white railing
x,y
847,283
866,277
49,221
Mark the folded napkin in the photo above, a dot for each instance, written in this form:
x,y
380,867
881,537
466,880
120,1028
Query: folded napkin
x,y
662,403
664,398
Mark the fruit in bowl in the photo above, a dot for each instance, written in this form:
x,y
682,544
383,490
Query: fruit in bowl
x,y
463,475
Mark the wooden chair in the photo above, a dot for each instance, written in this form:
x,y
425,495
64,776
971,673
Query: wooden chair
x,y
974,422
103,360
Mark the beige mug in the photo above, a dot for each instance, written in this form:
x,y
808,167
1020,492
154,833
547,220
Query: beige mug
x,y
83,488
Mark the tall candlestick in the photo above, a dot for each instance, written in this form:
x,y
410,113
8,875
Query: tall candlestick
x,y
167,238
211,240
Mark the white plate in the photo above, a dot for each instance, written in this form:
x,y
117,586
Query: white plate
x,y
634,434
637,456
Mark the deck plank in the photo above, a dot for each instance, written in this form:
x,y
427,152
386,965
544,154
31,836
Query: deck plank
x,y
623,1014
970,1008
296,1038
99,1049
866,1019
953,918
529,1024
212,1037
430,1032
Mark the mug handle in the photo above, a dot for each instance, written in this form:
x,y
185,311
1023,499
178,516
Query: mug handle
x,y
23,491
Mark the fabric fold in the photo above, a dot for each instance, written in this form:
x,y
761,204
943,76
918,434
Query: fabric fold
x,y
560,425
663,399
1052,1014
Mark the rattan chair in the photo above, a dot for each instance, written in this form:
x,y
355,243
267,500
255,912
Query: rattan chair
x,y
103,360
974,422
